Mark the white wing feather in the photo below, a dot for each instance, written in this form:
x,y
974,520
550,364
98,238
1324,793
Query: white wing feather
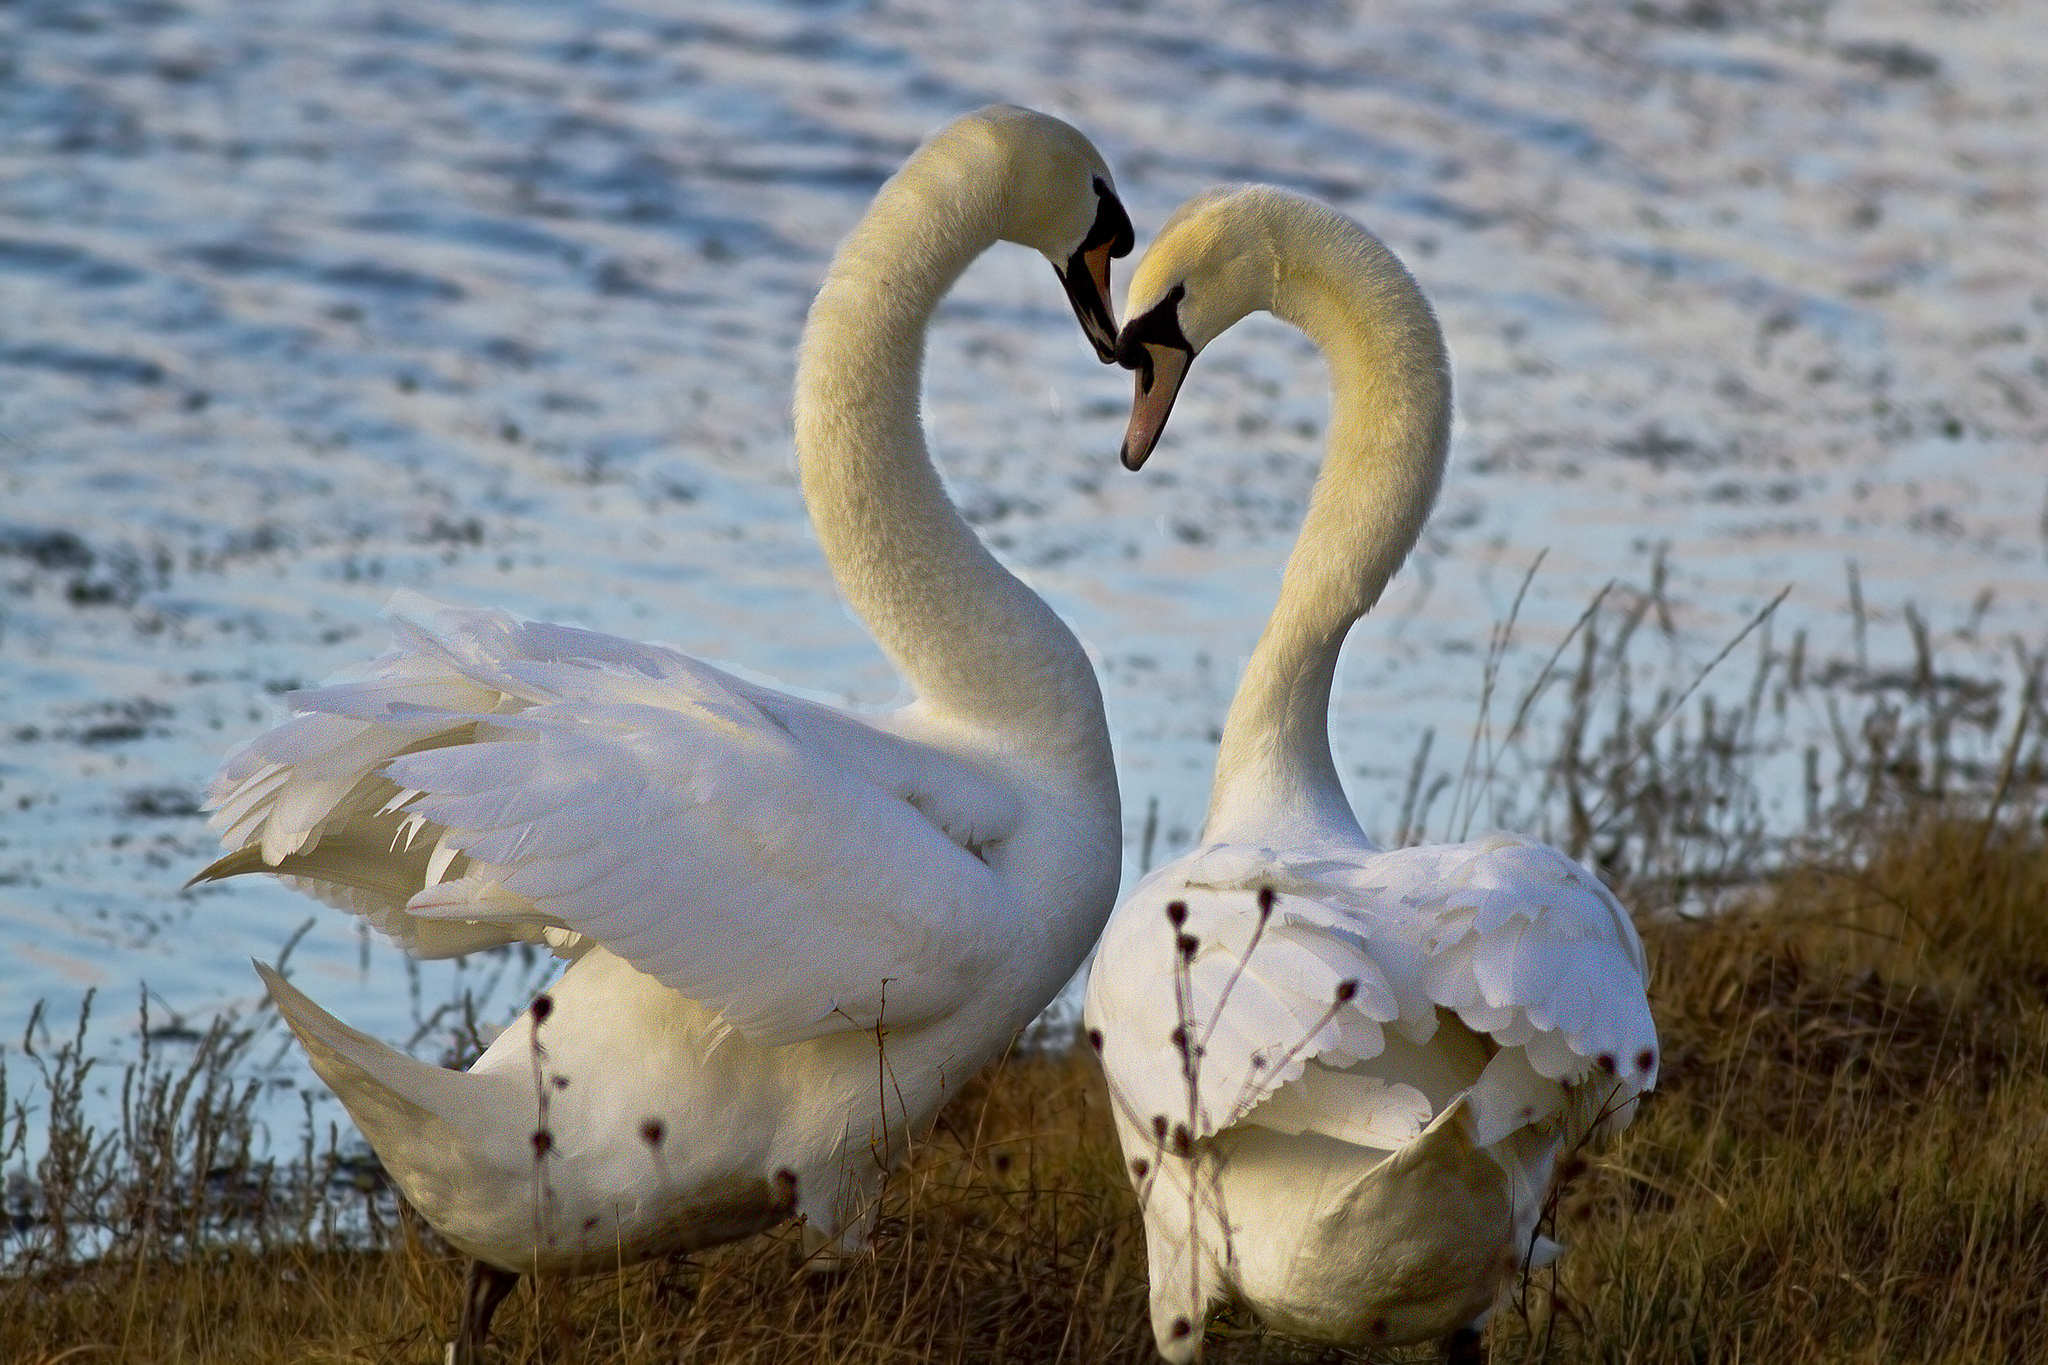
x,y
1528,947
1256,1002
491,780
1525,947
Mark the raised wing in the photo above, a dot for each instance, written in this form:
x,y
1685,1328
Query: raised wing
x,y
1527,947
1538,963
491,780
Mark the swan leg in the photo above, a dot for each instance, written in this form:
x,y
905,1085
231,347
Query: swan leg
x,y
485,1290
1466,1346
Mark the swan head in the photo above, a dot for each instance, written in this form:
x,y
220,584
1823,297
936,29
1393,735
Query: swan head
x,y
1213,262
1061,201
1222,255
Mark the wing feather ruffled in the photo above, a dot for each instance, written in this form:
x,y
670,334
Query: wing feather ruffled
x,y
490,780
1263,994
1522,945
1528,947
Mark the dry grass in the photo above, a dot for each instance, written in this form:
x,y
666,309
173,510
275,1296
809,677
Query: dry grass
x,y
1846,1161
1846,1158
1009,1238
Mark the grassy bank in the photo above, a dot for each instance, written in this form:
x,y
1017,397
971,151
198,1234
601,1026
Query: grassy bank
x,y
1845,1162
1846,1158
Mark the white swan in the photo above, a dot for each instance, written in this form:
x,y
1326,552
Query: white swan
x,y
1342,1074
758,893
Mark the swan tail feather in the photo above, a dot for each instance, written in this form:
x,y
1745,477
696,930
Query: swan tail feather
x,y
237,864
1445,1144
422,1120
360,870
339,862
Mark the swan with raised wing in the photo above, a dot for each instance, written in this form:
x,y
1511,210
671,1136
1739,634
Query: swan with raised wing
x,y
756,893
1343,1074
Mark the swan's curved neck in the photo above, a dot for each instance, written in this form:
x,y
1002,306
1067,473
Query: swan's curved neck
x,y
1390,417
976,644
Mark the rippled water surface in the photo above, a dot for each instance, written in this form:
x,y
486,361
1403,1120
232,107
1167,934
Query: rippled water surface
x,y
303,302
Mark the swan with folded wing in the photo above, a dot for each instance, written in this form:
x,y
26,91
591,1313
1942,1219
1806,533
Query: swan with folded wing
x,y
1343,1074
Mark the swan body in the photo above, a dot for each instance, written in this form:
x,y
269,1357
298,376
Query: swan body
x,y
793,932
1343,1074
